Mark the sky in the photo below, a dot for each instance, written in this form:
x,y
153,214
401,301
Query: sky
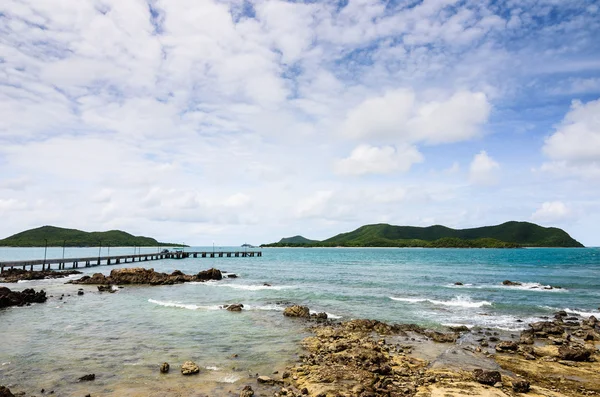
x,y
202,121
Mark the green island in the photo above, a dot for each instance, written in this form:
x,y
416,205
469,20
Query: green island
x,y
57,236
507,235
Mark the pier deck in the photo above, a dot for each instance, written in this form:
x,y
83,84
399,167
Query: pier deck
x,y
118,259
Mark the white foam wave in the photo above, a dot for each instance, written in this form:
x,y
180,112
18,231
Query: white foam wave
x,y
276,308
231,378
459,301
51,280
183,305
212,368
535,287
333,316
242,286
583,313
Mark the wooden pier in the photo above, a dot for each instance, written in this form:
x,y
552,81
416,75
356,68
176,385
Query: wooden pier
x,y
118,259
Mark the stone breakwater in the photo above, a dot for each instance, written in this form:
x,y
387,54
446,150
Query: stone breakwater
x,y
22,298
367,358
15,275
140,275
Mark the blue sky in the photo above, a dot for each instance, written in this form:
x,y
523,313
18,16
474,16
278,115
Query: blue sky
x,y
237,121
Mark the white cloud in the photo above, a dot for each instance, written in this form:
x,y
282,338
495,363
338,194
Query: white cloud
x,y
577,138
366,159
400,116
551,211
483,169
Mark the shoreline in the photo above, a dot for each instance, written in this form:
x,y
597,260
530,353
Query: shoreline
x,y
369,358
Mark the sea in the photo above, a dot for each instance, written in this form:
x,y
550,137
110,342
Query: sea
x,y
123,337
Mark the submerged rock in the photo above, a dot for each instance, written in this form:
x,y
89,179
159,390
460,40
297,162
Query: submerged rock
x,y
189,368
164,368
87,378
106,288
235,307
25,297
508,282
297,311
485,377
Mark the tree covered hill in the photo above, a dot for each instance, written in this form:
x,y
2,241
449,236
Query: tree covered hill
x,y
507,235
77,238
297,240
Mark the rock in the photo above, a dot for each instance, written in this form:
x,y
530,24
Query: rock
x,y
80,292
458,283
520,386
485,377
440,337
5,392
267,285
236,307
507,347
265,380
460,328
319,316
106,288
560,313
297,311
87,378
508,282
210,274
14,275
138,275
189,368
573,353
164,368
25,297
247,391
543,328
232,275
590,322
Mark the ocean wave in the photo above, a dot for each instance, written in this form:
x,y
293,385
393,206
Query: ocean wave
x,y
245,287
583,313
212,368
459,301
183,305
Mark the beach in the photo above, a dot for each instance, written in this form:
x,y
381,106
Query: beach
x,y
123,337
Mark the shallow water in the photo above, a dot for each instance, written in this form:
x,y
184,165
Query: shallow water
x,y
123,337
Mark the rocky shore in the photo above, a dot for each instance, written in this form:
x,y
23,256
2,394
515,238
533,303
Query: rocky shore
x,y
22,298
138,275
15,275
367,358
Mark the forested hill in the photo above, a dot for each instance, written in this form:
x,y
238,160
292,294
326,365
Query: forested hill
x,y
297,240
56,236
507,235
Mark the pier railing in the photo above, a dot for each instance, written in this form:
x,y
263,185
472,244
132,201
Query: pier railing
x,y
46,264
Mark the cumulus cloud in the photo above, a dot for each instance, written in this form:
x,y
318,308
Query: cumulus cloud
x,y
551,211
366,159
400,116
577,138
483,169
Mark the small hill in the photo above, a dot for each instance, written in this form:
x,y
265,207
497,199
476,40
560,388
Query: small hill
x,y
297,240
77,238
507,235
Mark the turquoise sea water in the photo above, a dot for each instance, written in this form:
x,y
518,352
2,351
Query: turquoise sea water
x,y
123,337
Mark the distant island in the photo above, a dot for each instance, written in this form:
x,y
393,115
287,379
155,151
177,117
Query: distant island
x,y
57,236
507,235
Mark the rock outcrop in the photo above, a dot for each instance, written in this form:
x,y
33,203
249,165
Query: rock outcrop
x,y
235,307
484,377
297,311
5,392
140,275
247,391
164,368
189,368
511,283
25,297
14,275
